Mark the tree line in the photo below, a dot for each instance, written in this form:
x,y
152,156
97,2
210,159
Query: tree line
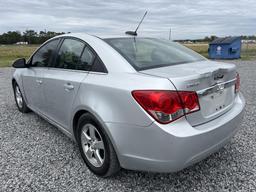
x,y
33,37
30,36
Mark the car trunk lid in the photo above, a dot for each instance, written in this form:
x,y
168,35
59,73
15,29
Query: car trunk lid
x,y
214,83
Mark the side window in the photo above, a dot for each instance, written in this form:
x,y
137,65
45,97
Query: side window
x,y
98,66
69,54
87,60
43,56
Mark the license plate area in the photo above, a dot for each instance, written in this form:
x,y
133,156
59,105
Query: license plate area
x,y
216,99
215,103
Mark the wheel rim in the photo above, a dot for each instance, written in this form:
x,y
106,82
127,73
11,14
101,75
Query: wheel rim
x,y
93,145
18,96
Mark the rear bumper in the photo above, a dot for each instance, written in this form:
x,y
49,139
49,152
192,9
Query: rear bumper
x,y
172,147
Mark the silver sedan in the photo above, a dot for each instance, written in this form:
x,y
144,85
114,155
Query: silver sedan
x,y
132,102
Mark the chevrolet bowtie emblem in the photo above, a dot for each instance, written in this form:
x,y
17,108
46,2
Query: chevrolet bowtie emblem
x,y
218,75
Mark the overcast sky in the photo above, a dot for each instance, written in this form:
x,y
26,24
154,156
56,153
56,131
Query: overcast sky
x,y
187,18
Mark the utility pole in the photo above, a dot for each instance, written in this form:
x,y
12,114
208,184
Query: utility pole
x,y
170,34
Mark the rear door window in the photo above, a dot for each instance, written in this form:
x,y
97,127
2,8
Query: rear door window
x,y
69,54
98,66
91,62
87,60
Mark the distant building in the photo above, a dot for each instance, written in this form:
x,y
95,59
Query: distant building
x,y
22,43
225,48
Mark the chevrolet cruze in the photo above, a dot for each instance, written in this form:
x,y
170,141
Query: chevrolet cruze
x,y
132,102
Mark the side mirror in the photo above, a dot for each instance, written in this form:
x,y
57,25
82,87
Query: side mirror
x,y
20,63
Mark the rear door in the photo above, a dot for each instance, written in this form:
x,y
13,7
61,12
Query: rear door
x,y
62,80
33,78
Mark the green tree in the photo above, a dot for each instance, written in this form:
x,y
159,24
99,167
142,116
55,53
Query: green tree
x,y
30,36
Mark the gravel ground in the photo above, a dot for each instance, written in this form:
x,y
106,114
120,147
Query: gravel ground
x,y
35,156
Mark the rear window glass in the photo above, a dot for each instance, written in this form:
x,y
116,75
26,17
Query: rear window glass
x,y
147,53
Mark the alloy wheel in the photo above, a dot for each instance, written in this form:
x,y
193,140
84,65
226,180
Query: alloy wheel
x,y
92,144
18,96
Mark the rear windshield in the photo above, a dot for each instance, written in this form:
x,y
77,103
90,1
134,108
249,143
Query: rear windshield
x,y
147,53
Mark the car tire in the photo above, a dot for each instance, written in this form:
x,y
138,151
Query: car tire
x,y
19,99
95,147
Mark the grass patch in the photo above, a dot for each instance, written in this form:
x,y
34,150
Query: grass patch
x,y
248,52
201,48
9,53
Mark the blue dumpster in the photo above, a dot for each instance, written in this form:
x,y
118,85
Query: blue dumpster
x,y
225,48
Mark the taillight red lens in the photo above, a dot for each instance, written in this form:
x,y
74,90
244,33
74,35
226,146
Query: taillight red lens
x,y
166,106
237,85
190,101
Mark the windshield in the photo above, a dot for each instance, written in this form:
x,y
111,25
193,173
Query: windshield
x,y
147,53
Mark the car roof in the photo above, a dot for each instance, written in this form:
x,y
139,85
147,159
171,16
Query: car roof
x,y
84,35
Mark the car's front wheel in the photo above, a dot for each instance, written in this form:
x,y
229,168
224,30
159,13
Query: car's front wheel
x,y
19,99
95,147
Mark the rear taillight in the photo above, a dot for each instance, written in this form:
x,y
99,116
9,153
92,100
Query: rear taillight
x,y
237,85
167,106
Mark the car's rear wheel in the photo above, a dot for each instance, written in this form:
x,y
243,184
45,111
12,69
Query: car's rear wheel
x,y
19,99
95,147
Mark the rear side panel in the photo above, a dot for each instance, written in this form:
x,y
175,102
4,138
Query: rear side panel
x,y
109,96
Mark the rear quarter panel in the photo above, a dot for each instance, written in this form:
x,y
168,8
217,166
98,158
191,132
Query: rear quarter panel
x,y
109,97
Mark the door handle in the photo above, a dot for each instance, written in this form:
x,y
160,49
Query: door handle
x,y
39,81
68,87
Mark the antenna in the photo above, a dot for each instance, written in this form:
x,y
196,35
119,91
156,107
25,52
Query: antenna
x,y
170,34
134,33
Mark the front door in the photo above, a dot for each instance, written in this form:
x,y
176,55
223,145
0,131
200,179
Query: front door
x,y
33,78
32,83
